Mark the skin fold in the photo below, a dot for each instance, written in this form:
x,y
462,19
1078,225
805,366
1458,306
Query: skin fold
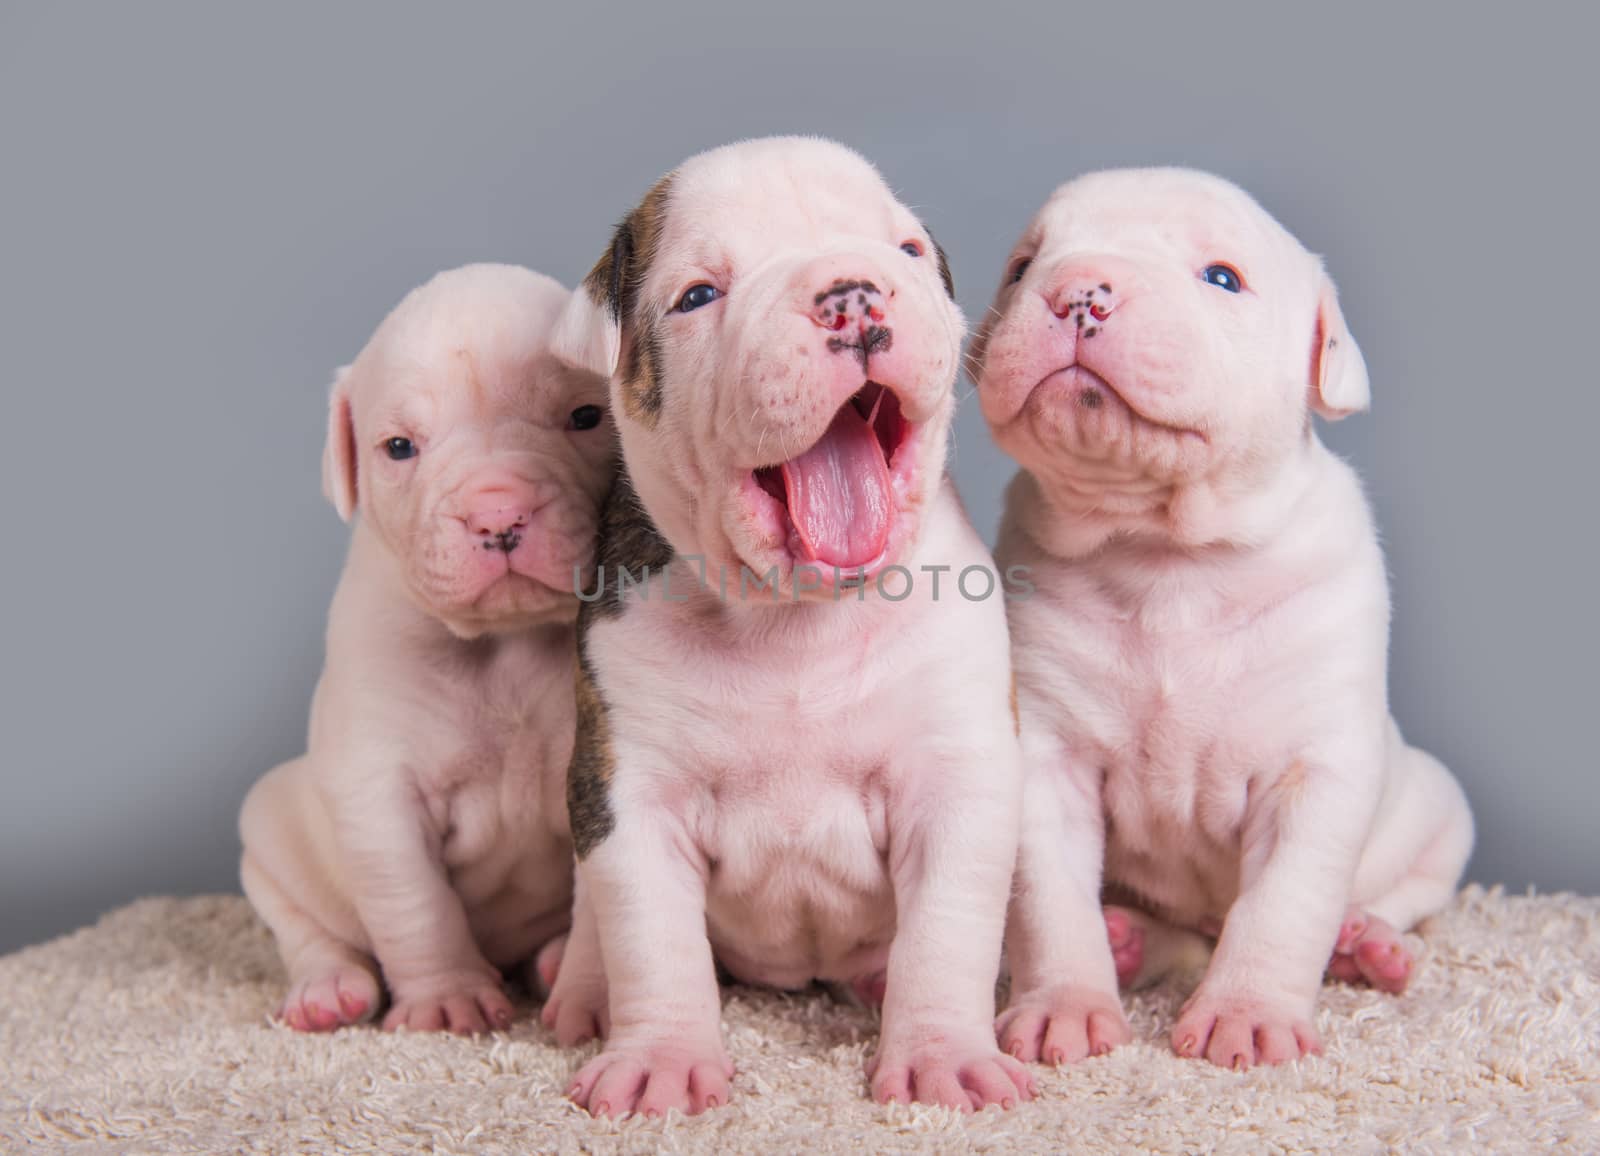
x,y
1202,671
421,845
812,782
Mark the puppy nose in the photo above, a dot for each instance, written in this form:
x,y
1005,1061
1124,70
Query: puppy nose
x,y
1086,302
498,524
849,304
855,312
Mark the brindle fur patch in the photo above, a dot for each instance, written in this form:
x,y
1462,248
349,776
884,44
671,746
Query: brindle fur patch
x,y
590,772
628,540
615,283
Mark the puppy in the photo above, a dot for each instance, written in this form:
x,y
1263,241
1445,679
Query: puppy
x,y
796,757
1202,669
423,837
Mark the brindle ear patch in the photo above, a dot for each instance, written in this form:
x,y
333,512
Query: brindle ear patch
x,y
641,380
944,269
616,282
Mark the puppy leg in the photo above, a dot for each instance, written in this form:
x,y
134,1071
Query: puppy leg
x,y
333,979
648,905
438,977
1064,1004
576,1008
951,854
1409,870
1302,841
331,983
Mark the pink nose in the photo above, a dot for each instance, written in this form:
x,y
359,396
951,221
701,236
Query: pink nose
x,y
1087,301
498,522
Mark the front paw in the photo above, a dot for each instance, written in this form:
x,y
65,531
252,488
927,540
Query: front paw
x,y
1237,1031
967,1075
1062,1025
651,1078
466,1003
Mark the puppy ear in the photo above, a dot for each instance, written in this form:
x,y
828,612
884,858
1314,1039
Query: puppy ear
x,y
588,334
944,268
339,454
1339,385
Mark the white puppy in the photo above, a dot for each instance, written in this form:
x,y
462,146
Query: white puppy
x,y
1202,670
424,834
815,777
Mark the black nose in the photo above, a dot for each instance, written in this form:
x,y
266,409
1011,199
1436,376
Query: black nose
x,y
854,312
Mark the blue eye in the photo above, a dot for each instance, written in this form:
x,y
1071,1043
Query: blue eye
x,y
400,449
1223,277
697,296
911,249
1020,268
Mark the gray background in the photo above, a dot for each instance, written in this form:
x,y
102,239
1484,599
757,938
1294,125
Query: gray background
x,y
203,210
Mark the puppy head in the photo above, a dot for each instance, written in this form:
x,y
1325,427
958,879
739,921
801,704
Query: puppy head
x,y
476,457
1157,327
782,343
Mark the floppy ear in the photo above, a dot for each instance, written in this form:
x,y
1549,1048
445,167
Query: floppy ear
x,y
588,334
339,454
1339,385
944,268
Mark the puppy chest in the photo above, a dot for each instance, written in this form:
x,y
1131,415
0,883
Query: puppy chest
x,y
797,877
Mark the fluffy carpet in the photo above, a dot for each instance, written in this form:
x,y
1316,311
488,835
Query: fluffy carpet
x,y
149,1032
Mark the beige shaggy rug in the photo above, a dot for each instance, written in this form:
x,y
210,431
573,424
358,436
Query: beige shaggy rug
x,y
149,1032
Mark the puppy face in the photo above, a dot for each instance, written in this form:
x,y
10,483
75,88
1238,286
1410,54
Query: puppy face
x,y
477,458
783,345
1157,326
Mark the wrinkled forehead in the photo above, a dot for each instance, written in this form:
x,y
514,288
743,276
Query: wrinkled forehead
x,y
1160,213
733,208
492,357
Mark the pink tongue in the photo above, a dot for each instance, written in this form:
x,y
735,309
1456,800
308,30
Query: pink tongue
x,y
839,496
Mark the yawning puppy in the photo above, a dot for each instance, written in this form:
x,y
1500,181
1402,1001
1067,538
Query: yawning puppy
x,y
796,754
1202,670
424,834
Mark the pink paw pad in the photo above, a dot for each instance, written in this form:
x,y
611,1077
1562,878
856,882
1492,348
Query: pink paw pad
x,y
1370,951
321,1003
1127,943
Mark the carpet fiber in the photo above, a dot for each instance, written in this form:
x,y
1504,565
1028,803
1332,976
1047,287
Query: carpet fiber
x,y
149,1032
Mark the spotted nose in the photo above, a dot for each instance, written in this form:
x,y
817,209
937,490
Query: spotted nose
x,y
855,314
1086,302
499,525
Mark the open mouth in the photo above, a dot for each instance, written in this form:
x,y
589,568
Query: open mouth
x,y
839,495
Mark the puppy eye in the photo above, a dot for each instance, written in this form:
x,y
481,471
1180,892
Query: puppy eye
x,y
1223,277
585,417
400,449
697,296
1019,269
911,249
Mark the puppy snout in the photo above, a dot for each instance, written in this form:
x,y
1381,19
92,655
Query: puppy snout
x,y
499,519
855,312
